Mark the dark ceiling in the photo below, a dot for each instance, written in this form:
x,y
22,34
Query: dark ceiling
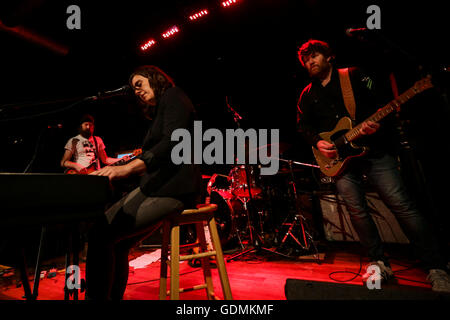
x,y
247,52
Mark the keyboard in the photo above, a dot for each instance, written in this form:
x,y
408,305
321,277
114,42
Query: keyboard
x,y
41,198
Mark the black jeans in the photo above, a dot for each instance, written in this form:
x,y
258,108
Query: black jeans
x,y
126,223
385,177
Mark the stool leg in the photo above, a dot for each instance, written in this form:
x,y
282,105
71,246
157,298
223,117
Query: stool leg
x,y
164,256
220,260
175,263
205,261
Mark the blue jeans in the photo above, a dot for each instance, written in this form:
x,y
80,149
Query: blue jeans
x,y
384,176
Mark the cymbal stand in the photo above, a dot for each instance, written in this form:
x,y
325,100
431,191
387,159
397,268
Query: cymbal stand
x,y
255,239
298,219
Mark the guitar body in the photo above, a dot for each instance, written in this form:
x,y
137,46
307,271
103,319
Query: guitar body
x,y
120,162
89,169
346,150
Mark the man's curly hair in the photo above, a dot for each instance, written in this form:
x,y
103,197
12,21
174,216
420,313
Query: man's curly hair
x,y
312,46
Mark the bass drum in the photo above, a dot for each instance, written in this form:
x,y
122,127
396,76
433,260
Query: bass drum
x,y
231,216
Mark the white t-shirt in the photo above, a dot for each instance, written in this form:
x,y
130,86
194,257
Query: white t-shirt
x,y
84,153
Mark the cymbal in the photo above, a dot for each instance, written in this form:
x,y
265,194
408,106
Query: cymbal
x,y
205,176
282,147
287,170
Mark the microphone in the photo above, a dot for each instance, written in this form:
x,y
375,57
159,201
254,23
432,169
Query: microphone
x,y
55,126
235,114
123,90
356,31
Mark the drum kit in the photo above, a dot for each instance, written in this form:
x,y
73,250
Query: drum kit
x,y
262,212
256,211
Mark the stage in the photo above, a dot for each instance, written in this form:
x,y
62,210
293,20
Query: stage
x,y
255,276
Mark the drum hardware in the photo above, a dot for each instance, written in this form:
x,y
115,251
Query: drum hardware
x,y
297,220
245,189
255,239
236,222
282,147
290,162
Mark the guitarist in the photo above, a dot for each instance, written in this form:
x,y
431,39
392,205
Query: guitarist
x,y
84,152
320,107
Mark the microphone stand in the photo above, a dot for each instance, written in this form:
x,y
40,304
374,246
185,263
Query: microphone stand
x,y
255,239
237,118
32,294
408,155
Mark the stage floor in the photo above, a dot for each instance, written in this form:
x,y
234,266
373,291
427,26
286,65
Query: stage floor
x,y
254,276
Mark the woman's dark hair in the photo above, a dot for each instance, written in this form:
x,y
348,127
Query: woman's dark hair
x,y
312,46
159,81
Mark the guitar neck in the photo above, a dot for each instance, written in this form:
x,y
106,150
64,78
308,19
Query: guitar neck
x,y
354,133
123,161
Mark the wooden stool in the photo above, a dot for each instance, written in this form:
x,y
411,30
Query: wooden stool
x,y
171,228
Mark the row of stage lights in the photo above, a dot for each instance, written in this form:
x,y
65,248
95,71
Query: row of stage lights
x,y
169,33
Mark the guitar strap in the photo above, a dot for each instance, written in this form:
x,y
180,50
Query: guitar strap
x,y
74,147
96,153
347,92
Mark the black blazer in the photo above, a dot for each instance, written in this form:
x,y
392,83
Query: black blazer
x,y
162,177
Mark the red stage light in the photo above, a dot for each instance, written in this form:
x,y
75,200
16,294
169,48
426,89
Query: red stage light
x,y
170,32
148,44
228,3
198,15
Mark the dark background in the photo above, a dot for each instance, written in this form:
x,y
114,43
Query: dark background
x,y
247,52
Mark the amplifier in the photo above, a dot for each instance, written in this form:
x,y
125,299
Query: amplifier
x,y
338,227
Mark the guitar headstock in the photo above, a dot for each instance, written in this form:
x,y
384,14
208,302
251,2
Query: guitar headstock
x,y
423,84
136,152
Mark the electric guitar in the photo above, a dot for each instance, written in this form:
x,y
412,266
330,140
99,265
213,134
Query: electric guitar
x,y
124,160
344,135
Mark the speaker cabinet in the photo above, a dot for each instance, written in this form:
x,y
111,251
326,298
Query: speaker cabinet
x,y
338,227
296,289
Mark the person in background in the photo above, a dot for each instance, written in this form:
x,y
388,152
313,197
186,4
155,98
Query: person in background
x,y
84,152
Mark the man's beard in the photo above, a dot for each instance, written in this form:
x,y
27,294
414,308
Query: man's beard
x,y
320,72
86,133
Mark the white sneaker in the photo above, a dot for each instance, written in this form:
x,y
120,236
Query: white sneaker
x,y
439,280
384,274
